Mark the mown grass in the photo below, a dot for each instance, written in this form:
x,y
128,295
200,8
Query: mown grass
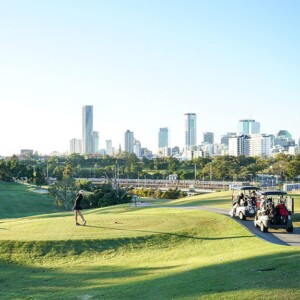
x,y
142,253
17,200
218,199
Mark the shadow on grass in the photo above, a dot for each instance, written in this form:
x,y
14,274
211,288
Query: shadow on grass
x,y
262,276
170,233
64,248
296,217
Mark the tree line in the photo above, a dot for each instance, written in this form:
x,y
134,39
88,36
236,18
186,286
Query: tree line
x,y
70,173
36,170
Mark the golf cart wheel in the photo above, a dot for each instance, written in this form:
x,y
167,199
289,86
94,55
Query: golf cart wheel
x,y
255,221
290,229
263,228
241,216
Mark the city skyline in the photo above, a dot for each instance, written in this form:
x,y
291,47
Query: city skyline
x,y
142,66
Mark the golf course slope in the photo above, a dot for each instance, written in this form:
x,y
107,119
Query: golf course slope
x,y
127,252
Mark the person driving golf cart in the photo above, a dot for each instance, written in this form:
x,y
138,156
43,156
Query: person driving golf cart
x,y
242,204
237,201
253,197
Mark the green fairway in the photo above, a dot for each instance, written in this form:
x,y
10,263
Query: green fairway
x,y
217,199
142,253
17,200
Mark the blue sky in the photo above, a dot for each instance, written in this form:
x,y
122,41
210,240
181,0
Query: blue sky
x,y
142,65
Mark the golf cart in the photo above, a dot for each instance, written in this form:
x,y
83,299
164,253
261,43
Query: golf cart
x,y
274,211
243,201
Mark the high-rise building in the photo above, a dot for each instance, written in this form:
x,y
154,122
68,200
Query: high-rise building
x,y
190,131
248,126
129,141
87,129
225,138
260,145
208,137
137,149
239,145
284,139
75,146
95,142
163,137
109,148
250,145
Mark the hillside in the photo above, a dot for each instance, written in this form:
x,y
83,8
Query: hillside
x,y
126,252
17,200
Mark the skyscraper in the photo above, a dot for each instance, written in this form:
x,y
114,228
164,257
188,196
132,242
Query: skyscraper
x,y
260,145
190,131
208,137
87,129
225,138
75,146
109,148
163,137
129,141
137,148
95,142
248,127
239,145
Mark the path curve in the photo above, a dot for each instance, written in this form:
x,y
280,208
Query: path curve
x,y
273,236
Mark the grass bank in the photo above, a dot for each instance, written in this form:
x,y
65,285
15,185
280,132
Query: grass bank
x,y
126,252
18,200
142,253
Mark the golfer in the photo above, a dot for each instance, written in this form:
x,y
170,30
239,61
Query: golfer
x,y
78,208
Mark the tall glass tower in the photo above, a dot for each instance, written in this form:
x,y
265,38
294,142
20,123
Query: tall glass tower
x,y
129,141
163,137
248,126
87,129
190,131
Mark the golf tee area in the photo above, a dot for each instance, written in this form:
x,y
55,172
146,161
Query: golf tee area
x,y
138,252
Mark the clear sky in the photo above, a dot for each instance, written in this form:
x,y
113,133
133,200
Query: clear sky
x,y
143,65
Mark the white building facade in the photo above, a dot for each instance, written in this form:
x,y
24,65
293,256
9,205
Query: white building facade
x,y
260,145
109,148
250,145
75,146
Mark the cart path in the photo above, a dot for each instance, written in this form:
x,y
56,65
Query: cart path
x,y
279,237
273,236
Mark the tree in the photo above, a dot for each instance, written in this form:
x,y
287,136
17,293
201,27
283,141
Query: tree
x,y
58,172
106,196
67,170
13,166
113,181
3,170
292,169
64,191
39,177
84,184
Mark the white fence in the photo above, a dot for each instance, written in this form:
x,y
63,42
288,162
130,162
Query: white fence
x,y
287,187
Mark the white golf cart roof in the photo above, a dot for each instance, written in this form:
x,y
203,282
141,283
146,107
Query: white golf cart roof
x,y
272,193
245,188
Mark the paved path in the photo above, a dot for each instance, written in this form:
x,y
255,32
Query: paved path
x,y
280,237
